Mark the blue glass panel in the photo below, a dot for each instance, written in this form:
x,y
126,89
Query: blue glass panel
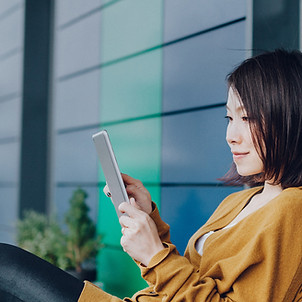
x,y
78,46
8,207
194,149
195,70
186,17
68,10
11,31
76,158
9,213
77,101
7,237
186,209
8,4
10,80
64,194
9,162
10,118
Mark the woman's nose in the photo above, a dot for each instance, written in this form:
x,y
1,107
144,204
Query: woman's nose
x,y
233,135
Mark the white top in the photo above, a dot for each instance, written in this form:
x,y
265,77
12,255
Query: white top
x,y
200,242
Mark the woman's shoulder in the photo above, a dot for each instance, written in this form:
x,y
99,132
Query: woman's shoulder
x,y
233,202
238,198
290,201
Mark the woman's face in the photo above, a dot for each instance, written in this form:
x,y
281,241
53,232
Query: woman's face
x,y
239,138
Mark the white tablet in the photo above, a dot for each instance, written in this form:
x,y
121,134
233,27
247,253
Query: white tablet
x,y
111,170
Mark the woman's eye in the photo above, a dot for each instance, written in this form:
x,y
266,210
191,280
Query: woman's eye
x,y
245,118
228,118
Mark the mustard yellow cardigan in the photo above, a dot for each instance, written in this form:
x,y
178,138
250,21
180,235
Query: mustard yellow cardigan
x,y
258,259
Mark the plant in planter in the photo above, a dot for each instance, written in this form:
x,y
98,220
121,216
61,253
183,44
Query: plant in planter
x,y
42,237
71,250
82,241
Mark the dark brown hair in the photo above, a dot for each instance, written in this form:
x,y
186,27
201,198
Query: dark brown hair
x,y
270,89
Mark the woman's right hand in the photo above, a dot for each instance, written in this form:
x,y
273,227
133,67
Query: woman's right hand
x,y
137,191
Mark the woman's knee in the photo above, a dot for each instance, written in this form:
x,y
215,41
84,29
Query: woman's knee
x,y
9,253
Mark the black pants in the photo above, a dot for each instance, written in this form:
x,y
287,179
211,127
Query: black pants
x,y
25,277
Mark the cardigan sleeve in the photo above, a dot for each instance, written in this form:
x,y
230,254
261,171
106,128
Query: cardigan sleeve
x,y
162,227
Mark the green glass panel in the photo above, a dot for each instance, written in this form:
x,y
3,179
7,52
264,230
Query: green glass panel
x,y
132,87
137,146
130,26
118,273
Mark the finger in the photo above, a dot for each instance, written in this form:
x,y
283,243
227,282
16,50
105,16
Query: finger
x,y
136,192
123,243
128,180
129,209
126,222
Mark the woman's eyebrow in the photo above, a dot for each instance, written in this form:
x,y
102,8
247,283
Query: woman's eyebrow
x,y
238,108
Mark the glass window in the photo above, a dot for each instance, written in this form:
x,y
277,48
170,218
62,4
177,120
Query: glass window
x,y
195,70
194,148
75,157
132,88
183,18
186,209
129,27
77,101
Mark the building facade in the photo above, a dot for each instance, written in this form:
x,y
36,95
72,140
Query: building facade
x,y
150,72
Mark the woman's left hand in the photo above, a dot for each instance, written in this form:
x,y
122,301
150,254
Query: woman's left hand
x,y
140,237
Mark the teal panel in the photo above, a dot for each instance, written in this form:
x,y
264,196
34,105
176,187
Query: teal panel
x,y
137,147
130,26
132,88
118,273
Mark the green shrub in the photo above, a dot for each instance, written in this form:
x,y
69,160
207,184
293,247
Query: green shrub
x,y
67,250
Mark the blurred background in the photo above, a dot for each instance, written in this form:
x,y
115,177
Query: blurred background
x,y
150,72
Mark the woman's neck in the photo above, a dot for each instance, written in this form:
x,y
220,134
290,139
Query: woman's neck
x,y
268,193
270,190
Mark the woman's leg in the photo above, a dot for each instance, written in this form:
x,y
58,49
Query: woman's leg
x,y
31,279
4,296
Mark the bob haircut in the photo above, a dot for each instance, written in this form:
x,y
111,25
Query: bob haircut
x,y
270,89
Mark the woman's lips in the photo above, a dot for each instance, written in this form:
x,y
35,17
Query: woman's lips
x,y
239,155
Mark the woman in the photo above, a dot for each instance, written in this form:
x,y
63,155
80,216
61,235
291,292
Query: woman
x,y
251,247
